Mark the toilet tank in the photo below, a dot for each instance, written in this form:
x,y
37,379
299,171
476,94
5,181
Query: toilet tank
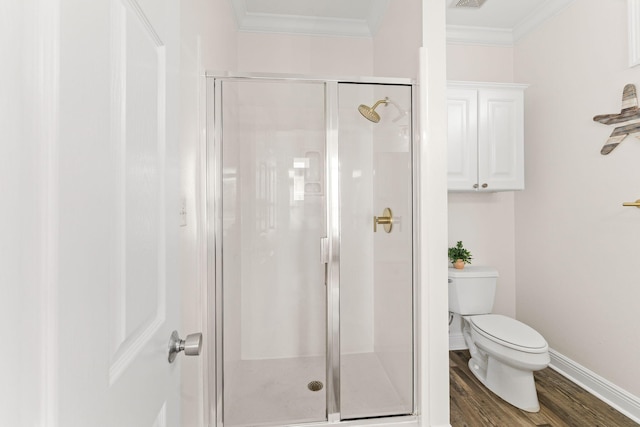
x,y
472,289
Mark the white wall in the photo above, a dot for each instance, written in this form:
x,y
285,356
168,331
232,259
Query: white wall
x,y
576,246
485,222
479,63
396,44
301,54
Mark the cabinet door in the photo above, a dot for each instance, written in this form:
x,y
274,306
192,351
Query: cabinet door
x,y
462,110
501,140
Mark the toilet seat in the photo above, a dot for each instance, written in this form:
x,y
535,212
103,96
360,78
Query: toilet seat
x,y
509,332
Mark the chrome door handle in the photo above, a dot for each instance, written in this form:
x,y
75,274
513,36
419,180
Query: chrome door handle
x,y
192,345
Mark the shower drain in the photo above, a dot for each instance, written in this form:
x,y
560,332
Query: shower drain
x,y
315,385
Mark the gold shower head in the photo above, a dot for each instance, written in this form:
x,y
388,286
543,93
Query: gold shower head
x,y
369,113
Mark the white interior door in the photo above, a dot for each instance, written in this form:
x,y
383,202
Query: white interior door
x,y
117,199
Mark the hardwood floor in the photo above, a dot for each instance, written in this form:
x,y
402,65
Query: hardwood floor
x,y
562,403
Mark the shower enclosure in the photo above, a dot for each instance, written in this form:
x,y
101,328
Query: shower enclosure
x,y
311,211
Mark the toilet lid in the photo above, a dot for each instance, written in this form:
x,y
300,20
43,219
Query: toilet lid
x,y
509,332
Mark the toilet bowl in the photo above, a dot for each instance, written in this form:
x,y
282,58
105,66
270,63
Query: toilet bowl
x,y
504,352
504,355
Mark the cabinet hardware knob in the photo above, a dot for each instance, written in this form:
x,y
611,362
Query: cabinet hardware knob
x,y
475,185
485,185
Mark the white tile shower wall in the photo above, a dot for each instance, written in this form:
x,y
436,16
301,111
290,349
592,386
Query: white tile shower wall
x,y
376,269
393,267
356,236
279,213
232,236
395,53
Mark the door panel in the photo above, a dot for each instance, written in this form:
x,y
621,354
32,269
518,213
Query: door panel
x,y
138,302
462,139
118,217
500,147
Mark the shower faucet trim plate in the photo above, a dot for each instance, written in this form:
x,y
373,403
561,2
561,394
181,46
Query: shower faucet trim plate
x,y
386,220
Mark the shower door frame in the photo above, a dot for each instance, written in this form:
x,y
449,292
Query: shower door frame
x,y
213,382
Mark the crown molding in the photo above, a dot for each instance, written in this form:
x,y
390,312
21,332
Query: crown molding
x,y
310,25
503,36
268,23
539,16
368,26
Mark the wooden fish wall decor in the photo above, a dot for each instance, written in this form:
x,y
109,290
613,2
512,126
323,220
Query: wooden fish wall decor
x,y
627,121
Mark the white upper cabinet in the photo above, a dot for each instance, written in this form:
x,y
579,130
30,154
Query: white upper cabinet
x,y
462,145
486,136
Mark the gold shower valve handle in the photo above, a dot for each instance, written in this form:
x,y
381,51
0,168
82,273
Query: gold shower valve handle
x,y
386,220
636,203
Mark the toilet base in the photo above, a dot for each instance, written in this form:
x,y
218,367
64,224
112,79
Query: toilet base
x,y
515,386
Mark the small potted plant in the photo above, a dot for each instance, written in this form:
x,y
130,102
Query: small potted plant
x,y
459,256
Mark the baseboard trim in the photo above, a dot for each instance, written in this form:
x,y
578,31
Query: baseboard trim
x,y
456,341
604,390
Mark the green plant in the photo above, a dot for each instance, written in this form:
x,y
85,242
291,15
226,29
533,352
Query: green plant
x,y
459,252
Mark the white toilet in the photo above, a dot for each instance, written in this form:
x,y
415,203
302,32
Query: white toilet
x,y
504,351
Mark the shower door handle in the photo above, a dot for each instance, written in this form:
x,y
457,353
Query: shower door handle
x,y
324,257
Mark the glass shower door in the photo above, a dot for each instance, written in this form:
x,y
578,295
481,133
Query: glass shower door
x,y
376,251
273,219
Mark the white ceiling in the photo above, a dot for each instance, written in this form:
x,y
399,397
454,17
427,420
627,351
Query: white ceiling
x,y
497,22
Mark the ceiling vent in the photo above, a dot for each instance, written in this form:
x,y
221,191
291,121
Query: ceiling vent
x,y
468,3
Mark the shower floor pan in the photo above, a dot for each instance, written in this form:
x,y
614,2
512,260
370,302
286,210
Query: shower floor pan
x,y
275,391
